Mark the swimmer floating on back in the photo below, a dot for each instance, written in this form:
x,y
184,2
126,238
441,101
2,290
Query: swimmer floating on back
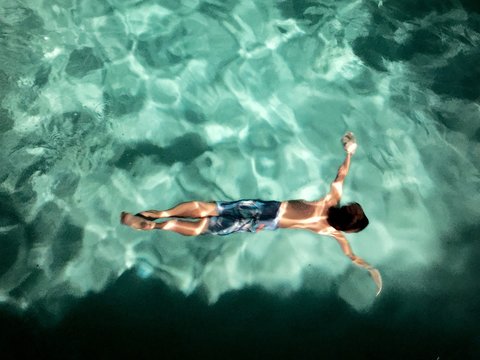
x,y
324,216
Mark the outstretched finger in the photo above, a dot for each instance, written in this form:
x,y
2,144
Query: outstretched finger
x,y
377,279
348,137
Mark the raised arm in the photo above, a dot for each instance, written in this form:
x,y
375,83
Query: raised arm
x,y
336,188
374,273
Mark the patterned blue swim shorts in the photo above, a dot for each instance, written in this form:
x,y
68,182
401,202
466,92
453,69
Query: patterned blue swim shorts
x,y
244,215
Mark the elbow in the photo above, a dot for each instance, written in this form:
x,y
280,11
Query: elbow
x,y
352,257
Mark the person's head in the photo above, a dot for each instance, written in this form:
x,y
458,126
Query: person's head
x,y
348,218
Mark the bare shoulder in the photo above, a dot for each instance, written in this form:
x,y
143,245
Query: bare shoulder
x,y
335,194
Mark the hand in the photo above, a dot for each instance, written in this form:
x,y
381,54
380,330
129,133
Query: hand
x,y
377,278
349,143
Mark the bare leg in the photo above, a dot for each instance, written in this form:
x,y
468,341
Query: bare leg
x,y
136,222
192,209
188,228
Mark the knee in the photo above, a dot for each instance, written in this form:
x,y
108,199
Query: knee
x,y
207,209
169,225
200,228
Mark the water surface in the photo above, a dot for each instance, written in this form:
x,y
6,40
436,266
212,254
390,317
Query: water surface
x,y
132,105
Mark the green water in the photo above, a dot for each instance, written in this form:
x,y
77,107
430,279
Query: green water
x,y
133,105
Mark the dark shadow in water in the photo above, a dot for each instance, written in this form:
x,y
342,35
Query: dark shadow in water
x,y
9,214
45,224
65,184
41,166
6,121
144,319
52,227
195,117
460,78
297,9
9,240
471,5
123,103
220,10
66,244
9,247
156,53
82,61
42,75
456,78
183,149
380,44
408,9
5,83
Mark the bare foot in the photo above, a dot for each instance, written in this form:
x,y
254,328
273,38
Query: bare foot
x,y
136,222
147,215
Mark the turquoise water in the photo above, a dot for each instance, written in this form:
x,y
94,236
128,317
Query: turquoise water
x,y
135,105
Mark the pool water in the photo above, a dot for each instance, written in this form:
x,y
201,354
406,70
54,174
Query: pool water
x,y
134,105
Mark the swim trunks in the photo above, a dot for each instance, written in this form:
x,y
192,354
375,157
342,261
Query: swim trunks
x,y
244,215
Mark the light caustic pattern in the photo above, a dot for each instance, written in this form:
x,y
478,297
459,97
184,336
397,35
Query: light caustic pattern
x,y
133,105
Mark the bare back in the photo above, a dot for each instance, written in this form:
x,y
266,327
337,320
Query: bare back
x,y
310,215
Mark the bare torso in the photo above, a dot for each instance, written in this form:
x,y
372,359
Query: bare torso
x,y
310,215
300,214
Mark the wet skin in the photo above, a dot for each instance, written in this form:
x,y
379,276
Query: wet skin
x,y
294,214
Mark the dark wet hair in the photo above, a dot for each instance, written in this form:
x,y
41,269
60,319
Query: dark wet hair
x,y
348,217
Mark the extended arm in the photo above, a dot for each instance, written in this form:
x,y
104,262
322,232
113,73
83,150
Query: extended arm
x,y
336,189
374,273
